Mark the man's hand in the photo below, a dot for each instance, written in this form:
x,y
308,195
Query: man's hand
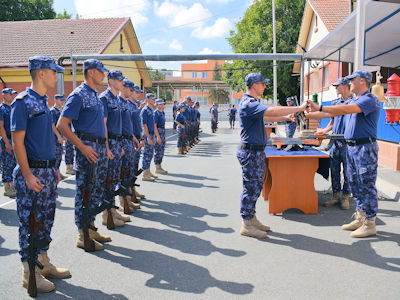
x,y
33,183
109,154
89,153
149,141
122,152
159,140
321,131
182,126
313,106
60,140
8,147
304,105
136,143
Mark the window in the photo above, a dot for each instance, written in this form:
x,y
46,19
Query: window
x,y
204,75
326,77
194,75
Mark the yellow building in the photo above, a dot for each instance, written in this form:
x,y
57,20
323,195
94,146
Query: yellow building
x,y
57,38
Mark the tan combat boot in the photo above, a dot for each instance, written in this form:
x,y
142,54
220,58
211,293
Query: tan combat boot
x,y
359,220
12,187
152,175
368,228
49,270
42,284
146,176
249,229
335,200
139,195
344,202
133,205
70,169
160,170
95,235
259,225
117,222
117,215
180,151
79,242
8,190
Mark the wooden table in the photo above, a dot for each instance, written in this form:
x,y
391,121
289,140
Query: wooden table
x,y
269,129
289,180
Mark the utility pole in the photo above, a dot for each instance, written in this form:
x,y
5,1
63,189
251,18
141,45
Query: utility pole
x,y
275,101
360,36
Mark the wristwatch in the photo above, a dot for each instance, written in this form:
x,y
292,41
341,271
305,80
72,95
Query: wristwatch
x,y
320,107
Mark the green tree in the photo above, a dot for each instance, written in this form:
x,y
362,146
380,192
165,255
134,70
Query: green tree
x,y
253,34
156,75
64,15
215,95
20,10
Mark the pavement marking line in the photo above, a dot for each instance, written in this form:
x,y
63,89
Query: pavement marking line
x,y
171,136
4,204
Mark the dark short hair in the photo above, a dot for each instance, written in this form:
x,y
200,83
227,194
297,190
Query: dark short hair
x,y
33,74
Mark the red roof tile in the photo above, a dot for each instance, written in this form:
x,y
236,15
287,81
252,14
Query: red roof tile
x,y
55,38
331,12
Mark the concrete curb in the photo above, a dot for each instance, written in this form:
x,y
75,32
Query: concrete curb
x,y
388,189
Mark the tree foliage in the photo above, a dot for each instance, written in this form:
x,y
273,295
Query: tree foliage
x,y
217,95
64,15
253,34
165,94
20,10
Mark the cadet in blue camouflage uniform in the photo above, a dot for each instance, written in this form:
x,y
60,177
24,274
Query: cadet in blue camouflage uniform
x,y
113,118
174,113
147,118
290,126
159,129
56,113
197,115
7,153
338,151
214,117
69,158
35,176
362,150
86,112
180,120
232,116
250,154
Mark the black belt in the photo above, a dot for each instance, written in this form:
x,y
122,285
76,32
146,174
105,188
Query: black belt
x,y
91,138
116,137
43,164
162,127
9,136
360,141
126,136
252,147
151,132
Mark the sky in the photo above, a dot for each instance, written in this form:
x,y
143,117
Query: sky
x,y
169,26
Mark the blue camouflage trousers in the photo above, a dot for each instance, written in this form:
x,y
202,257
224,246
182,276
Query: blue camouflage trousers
x,y
69,153
8,161
232,121
147,152
253,167
290,129
362,168
45,206
338,154
127,159
136,154
115,164
214,124
59,151
180,141
81,168
159,148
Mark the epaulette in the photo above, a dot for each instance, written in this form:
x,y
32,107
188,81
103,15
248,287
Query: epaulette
x,y
20,96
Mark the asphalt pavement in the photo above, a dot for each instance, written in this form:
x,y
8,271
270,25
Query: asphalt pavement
x,y
184,243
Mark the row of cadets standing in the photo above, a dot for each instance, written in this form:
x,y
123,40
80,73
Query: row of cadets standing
x,y
35,176
59,140
7,153
159,129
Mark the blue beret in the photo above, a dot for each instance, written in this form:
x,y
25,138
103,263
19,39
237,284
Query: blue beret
x,y
137,89
150,95
197,103
115,74
9,91
253,78
343,80
59,97
129,83
160,101
360,73
181,105
188,97
43,62
94,64
289,99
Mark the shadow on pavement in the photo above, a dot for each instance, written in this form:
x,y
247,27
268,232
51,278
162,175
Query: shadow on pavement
x,y
65,290
186,183
9,217
170,273
191,176
182,242
180,222
360,251
5,251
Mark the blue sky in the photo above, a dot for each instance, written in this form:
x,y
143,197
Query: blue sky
x,y
169,26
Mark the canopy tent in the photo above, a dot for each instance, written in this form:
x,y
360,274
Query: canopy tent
x,y
382,37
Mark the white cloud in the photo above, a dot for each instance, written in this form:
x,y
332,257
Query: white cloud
x,y
220,28
209,51
135,9
155,41
218,1
176,45
179,15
